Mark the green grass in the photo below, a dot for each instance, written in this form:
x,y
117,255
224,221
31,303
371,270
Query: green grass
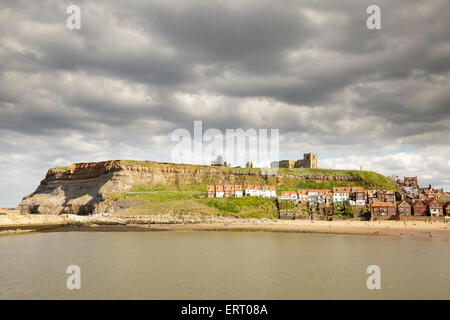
x,y
156,196
366,179
180,203
169,207
304,178
60,168
286,205
198,187
251,207
163,198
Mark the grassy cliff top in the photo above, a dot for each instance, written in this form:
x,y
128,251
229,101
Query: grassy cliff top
x,y
367,179
60,169
185,193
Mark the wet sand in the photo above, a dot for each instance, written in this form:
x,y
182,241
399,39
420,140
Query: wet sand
x,y
103,223
408,230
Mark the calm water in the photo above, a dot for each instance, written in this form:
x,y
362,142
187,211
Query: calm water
x,y
221,265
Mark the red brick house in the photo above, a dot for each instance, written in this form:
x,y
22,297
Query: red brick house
x,y
444,198
447,208
381,195
380,208
357,196
419,208
435,208
404,209
411,182
389,196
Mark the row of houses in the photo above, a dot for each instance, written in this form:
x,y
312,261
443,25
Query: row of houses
x,y
410,186
432,207
227,191
430,193
356,196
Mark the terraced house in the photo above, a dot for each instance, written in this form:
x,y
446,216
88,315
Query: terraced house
x,y
329,197
211,191
312,195
219,192
410,185
340,195
229,191
252,190
419,208
372,196
226,191
389,195
381,208
303,196
357,196
447,208
435,208
268,192
404,209
322,195
411,182
238,191
315,196
381,195
288,195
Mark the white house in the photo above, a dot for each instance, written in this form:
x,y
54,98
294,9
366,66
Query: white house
x,y
340,195
288,195
211,191
272,191
321,196
238,191
313,195
219,192
252,190
303,195
268,192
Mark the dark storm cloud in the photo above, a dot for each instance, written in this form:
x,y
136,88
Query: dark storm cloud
x,y
137,70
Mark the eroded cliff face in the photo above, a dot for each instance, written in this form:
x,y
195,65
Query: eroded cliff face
x,y
84,188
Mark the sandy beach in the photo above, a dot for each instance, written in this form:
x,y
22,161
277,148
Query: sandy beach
x,y
409,229
103,223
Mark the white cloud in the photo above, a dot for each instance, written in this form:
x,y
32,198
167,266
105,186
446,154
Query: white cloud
x,y
137,70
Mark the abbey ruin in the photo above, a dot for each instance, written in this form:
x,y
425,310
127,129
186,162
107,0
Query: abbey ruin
x,y
309,161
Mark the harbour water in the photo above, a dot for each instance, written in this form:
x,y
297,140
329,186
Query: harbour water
x,y
221,265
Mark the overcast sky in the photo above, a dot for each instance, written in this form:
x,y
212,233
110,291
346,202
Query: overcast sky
x,y
134,72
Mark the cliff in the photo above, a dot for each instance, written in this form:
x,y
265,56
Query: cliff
x,y
86,188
